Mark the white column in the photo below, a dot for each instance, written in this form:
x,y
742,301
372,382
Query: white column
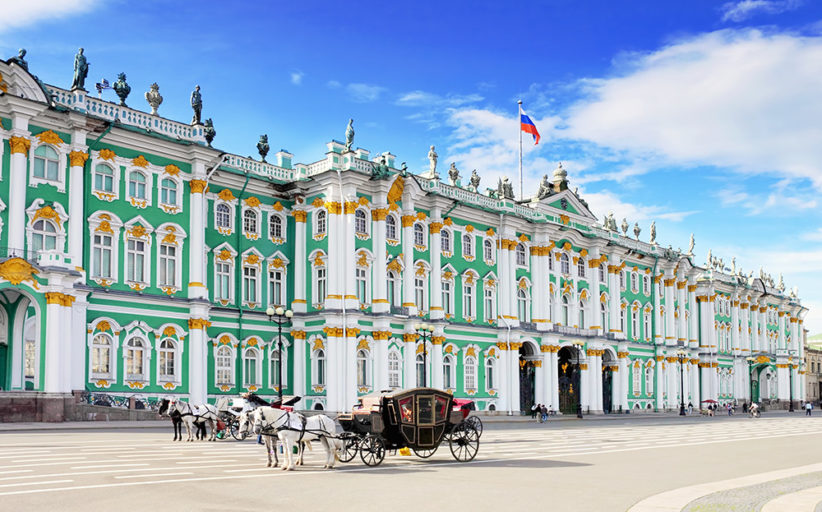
x,y
682,326
597,381
659,376
336,247
197,339
513,377
539,287
408,300
20,146
436,361
435,261
594,319
735,341
781,330
548,377
77,160
410,359
555,378
539,382
504,288
333,388
670,308
585,383
693,319
350,371
614,295
299,303
298,364
53,369
502,378
512,295
78,343
693,382
196,236
352,302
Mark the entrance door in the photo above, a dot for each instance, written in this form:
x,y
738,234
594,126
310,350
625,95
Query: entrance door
x,y
755,390
568,381
527,376
607,383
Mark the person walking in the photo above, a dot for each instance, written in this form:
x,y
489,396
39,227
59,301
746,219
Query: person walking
x,y
534,411
690,408
544,412
808,408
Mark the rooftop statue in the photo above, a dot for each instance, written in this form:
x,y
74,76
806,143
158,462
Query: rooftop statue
x,y
80,71
432,163
733,265
691,245
403,170
208,131
710,258
20,59
637,230
263,147
544,188
453,175
379,170
122,88
507,189
196,105
653,233
475,181
349,135
154,98
610,223
781,285
624,226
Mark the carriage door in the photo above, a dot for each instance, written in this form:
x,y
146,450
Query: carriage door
x,y
527,378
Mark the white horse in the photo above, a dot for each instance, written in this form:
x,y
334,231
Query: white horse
x,y
270,439
293,428
193,415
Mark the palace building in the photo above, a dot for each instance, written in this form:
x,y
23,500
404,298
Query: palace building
x,y
137,260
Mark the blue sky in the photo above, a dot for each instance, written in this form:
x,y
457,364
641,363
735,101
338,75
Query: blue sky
x,y
703,116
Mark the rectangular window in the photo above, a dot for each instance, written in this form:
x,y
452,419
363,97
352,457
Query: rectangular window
x,y
468,301
321,285
101,256
470,375
223,365
276,287
222,279
135,261
250,284
45,169
168,265
251,371
419,293
394,372
446,297
361,285
166,365
489,304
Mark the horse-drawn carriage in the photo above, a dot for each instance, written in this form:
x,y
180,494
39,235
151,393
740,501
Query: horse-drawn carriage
x,y
418,419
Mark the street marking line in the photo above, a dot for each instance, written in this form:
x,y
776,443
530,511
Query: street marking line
x,y
108,466
677,499
799,501
37,483
152,475
78,458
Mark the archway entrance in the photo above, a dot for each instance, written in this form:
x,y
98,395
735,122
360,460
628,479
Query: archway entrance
x,y
607,382
568,371
527,377
20,342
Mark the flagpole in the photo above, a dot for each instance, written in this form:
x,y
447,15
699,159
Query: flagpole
x,y
519,114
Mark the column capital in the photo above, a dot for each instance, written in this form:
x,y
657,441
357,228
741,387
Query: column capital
x,y
78,158
197,186
19,145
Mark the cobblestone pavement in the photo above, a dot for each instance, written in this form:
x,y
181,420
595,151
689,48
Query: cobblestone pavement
x,y
752,498
622,461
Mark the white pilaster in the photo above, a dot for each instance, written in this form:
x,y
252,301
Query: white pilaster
x,y
299,303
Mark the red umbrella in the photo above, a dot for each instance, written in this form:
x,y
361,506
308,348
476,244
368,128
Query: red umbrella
x,y
710,401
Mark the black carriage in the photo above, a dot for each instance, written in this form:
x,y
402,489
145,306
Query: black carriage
x,y
418,419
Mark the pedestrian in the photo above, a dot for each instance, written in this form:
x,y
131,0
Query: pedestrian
x,y
808,408
690,408
744,407
730,409
544,411
534,411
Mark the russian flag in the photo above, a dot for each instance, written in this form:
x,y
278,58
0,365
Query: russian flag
x,y
528,126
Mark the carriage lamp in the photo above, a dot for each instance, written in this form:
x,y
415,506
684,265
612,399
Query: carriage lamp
x,y
579,344
682,356
280,316
425,331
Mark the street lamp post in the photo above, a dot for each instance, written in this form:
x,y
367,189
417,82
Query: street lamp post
x,y
425,331
279,316
682,356
790,381
750,378
579,344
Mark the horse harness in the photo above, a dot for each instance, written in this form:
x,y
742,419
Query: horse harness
x,y
287,426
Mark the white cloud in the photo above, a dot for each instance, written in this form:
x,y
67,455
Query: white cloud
x,y
744,9
364,93
23,14
427,99
603,202
813,236
333,84
740,99
783,199
297,77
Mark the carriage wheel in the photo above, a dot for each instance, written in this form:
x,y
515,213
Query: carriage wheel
x,y
475,422
372,450
235,431
350,446
424,453
464,442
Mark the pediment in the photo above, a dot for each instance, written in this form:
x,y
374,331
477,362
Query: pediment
x,y
16,81
564,203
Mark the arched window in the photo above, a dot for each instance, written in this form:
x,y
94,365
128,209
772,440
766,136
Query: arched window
x,y
564,264
421,373
137,185
393,288
46,163
275,226
649,380
319,368
168,191
319,223
44,236
467,245
135,359
393,370
581,267
646,325
276,379
634,282
419,235
635,323
101,356
521,256
360,224
646,287
251,363
470,372
363,370
490,364
223,216
391,227
445,240
166,353
104,178
581,315
224,366
602,272
522,305
250,222
488,250
566,307
448,373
